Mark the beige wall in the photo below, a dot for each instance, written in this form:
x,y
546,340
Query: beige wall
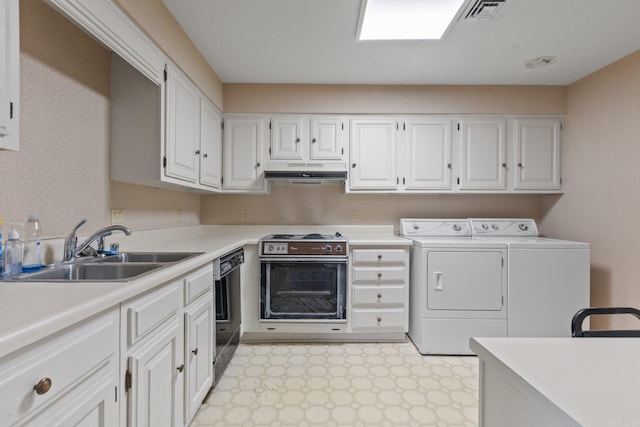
x,y
154,17
601,204
328,204
367,99
62,169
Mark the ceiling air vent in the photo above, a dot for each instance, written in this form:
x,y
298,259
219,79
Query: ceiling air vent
x,y
484,9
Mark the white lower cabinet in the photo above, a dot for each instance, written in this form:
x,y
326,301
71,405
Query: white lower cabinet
x,y
153,357
68,379
199,322
168,337
379,289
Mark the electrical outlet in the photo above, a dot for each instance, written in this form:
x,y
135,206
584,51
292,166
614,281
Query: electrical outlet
x,y
355,216
241,215
117,216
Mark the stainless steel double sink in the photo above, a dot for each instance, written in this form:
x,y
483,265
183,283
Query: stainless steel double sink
x,y
122,267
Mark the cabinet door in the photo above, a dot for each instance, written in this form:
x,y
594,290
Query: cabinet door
x,y
327,138
9,74
537,154
373,154
210,145
156,395
288,141
483,154
428,155
183,136
198,353
94,404
243,139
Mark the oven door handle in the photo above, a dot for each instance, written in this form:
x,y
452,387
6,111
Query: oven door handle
x,y
318,259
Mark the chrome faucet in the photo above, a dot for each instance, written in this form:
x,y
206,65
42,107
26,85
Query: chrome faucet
x,y
71,247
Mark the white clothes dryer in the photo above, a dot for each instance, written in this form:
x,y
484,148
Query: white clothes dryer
x,y
458,286
548,279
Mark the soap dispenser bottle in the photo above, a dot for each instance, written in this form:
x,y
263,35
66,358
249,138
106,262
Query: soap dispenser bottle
x,y
13,253
32,253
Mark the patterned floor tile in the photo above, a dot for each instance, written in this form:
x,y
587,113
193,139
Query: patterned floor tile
x,y
334,385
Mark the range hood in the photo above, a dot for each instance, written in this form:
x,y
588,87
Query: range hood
x,y
306,177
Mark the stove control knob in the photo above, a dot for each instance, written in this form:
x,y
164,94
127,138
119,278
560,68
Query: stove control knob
x,y
494,226
523,227
327,248
338,248
485,227
270,248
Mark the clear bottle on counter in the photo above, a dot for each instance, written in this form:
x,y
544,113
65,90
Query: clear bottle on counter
x,y
13,252
32,254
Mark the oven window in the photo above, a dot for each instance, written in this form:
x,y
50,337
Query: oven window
x,y
303,290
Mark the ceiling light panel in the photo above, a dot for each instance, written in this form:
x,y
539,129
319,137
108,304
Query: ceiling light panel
x,y
406,19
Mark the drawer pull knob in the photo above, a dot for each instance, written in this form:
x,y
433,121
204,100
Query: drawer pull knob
x,y
379,296
379,319
379,257
195,351
43,386
379,275
181,368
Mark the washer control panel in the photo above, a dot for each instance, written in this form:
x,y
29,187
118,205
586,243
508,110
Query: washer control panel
x,y
504,227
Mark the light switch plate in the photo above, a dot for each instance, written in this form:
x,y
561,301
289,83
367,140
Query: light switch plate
x,y
117,216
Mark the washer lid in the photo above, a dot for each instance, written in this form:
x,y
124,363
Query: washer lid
x,y
535,243
419,227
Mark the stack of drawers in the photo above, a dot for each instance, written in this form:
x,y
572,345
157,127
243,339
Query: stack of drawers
x,y
379,278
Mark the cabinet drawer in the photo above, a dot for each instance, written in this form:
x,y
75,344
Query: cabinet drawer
x,y
197,283
378,274
62,361
379,296
379,319
378,256
147,312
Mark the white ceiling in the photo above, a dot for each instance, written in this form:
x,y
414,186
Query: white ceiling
x,y
314,41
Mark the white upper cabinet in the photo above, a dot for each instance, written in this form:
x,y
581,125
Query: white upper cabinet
x,y
9,74
287,139
307,142
483,153
537,153
244,138
427,156
210,145
373,154
328,138
183,125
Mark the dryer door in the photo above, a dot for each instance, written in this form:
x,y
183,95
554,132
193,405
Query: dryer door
x,y
465,280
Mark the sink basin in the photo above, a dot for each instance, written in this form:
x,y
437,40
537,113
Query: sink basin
x,y
88,271
148,257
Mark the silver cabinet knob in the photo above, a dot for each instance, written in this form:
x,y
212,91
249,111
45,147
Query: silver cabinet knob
x,y
195,351
258,164
379,296
379,319
379,275
180,368
43,386
197,152
353,165
298,140
313,141
205,155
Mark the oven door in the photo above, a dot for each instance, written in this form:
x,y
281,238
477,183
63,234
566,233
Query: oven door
x,y
309,289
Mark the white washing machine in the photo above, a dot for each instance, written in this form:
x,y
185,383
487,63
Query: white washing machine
x,y
458,286
548,279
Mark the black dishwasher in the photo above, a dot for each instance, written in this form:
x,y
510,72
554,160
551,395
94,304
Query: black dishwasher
x,y
226,271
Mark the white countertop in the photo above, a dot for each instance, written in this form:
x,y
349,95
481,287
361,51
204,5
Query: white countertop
x,y
31,311
596,381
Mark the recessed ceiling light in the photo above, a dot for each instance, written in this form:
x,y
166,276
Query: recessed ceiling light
x,y
541,61
406,19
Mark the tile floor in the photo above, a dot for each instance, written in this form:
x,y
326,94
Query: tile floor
x,y
308,385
